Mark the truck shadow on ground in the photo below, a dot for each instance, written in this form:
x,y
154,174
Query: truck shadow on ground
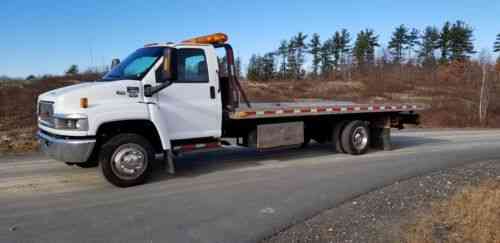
x,y
233,158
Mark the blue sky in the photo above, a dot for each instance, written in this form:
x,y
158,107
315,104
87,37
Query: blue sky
x,y
39,37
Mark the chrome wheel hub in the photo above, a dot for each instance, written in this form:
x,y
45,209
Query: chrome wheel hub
x,y
360,138
129,161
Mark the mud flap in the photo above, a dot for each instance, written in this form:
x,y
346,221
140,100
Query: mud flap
x,y
169,162
381,138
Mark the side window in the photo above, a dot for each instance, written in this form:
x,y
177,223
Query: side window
x,y
191,66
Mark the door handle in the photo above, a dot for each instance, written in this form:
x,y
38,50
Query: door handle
x,y
212,92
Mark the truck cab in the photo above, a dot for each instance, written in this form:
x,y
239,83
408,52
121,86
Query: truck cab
x,y
159,94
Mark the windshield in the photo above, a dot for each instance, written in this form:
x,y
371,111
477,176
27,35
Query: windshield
x,y
136,65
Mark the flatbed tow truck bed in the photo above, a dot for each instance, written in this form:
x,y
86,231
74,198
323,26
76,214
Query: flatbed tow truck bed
x,y
316,108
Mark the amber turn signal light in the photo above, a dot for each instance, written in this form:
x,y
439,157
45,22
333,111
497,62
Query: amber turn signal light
x,y
84,103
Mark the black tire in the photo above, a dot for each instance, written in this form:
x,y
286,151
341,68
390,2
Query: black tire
x,y
336,136
137,145
355,138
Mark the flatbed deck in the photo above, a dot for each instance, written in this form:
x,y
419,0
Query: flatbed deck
x,y
315,108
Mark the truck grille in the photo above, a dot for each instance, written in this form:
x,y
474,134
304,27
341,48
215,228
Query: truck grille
x,y
46,113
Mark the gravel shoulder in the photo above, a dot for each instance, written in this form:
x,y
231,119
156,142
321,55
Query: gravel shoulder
x,y
385,214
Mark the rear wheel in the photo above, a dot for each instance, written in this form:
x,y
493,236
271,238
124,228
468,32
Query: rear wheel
x,y
355,137
126,160
337,136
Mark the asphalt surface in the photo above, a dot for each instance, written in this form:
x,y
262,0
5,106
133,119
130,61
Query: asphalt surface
x,y
233,195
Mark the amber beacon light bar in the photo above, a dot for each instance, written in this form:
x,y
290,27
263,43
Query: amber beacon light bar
x,y
217,38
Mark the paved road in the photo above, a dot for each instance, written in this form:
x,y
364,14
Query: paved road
x,y
235,195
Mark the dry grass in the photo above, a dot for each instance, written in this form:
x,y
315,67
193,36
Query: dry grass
x,y
18,141
472,215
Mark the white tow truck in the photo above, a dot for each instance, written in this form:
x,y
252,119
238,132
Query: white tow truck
x,y
171,98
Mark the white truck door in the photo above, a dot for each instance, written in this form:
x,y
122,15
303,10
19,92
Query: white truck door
x,y
191,106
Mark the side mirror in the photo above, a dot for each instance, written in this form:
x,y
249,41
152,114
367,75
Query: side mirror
x,y
115,62
168,66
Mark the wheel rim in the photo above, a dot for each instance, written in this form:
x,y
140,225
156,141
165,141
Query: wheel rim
x,y
129,161
360,138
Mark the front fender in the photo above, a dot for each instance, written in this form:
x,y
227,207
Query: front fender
x,y
126,112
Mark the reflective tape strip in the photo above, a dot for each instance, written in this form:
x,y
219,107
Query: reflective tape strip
x,y
333,109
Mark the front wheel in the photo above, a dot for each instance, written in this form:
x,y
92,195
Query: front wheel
x,y
126,160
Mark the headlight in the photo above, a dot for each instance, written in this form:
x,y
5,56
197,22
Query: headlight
x,y
70,123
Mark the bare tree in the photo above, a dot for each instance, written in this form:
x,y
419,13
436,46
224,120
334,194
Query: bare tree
x,y
484,99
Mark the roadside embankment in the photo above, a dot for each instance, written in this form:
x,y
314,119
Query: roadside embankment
x,y
456,205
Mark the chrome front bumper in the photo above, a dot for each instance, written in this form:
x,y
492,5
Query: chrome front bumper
x,y
66,150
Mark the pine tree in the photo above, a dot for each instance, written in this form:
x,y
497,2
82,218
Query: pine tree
x,y
429,45
444,42
72,70
291,59
461,41
496,48
283,53
336,49
326,60
253,68
315,50
412,42
364,48
398,43
267,69
301,48
345,48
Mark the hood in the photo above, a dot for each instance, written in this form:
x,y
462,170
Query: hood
x,y
54,94
67,99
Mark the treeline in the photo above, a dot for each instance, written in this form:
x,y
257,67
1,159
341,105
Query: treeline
x,y
341,54
72,71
